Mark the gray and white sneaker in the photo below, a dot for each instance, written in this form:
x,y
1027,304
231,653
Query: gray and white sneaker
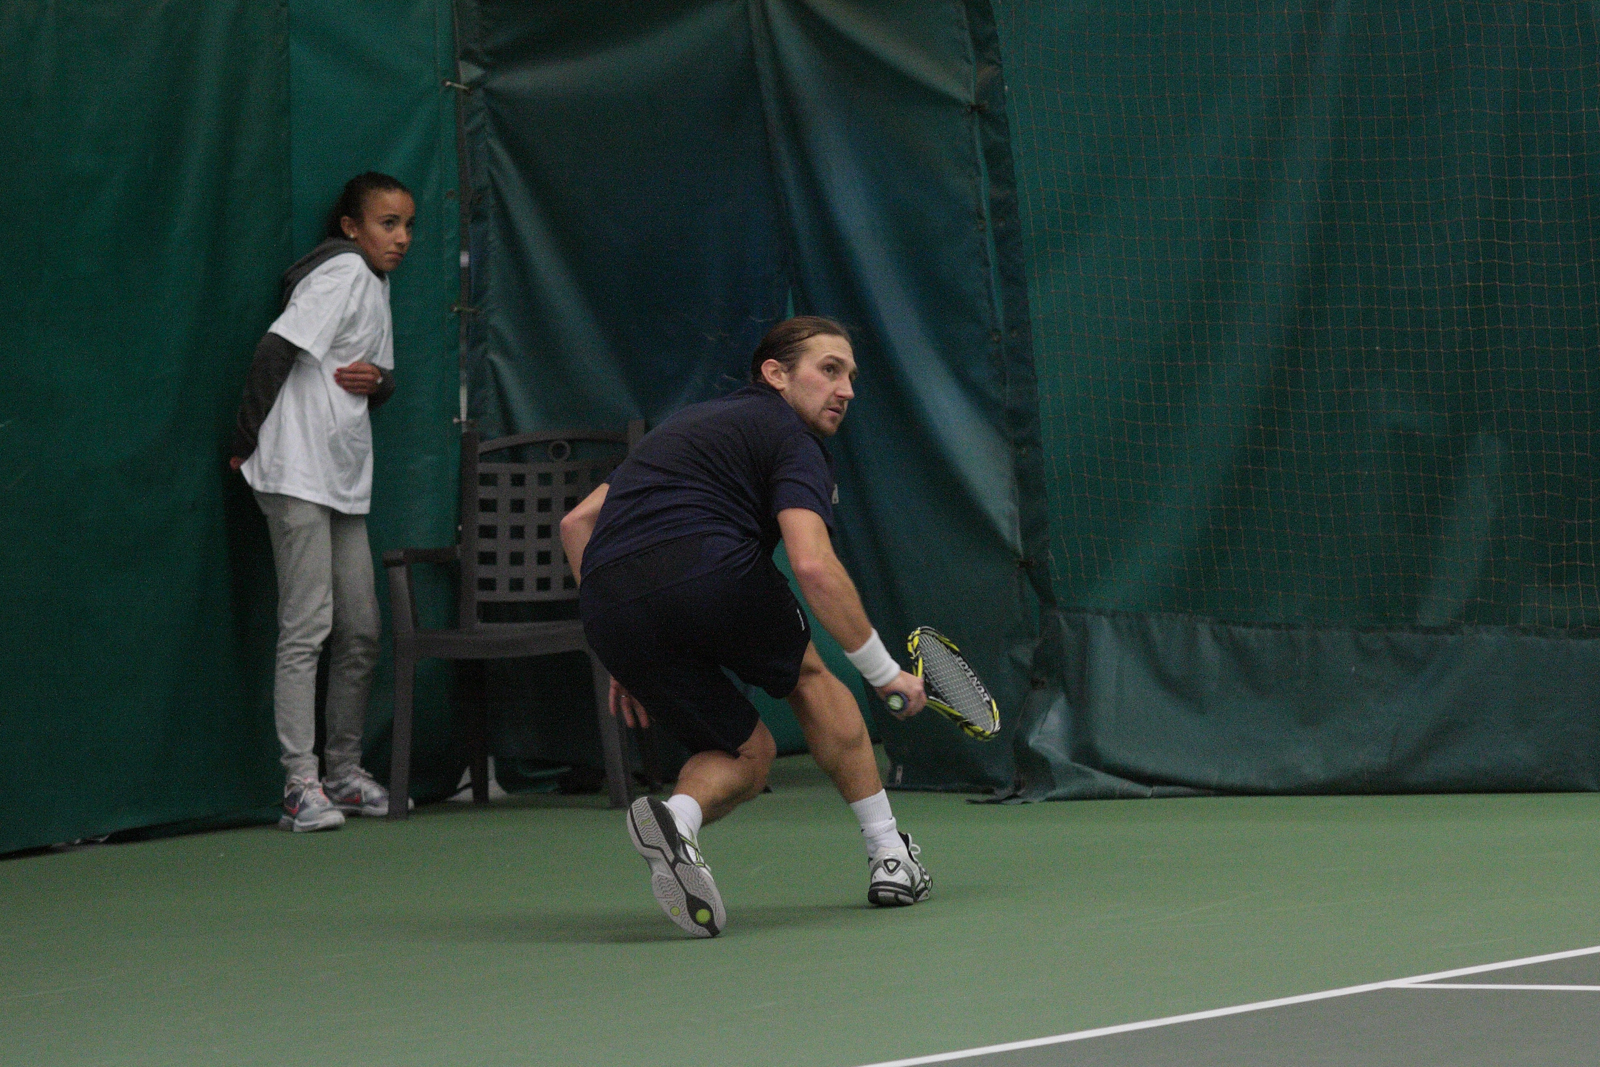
x,y
357,793
896,878
679,877
306,807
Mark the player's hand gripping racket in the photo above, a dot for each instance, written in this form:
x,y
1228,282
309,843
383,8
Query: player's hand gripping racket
x,y
953,690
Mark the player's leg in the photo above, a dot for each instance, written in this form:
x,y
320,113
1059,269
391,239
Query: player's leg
x,y
643,638
667,833
769,645
302,557
837,737
719,782
834,730
665,637
732,752
352,658
684,695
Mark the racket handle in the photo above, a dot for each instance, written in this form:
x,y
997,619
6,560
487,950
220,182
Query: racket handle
x,y
896,702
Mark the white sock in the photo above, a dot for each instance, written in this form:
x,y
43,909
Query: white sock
x,y
687,814
877,824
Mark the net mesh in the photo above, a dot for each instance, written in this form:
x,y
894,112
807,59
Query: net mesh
x,y
951,682
1314,302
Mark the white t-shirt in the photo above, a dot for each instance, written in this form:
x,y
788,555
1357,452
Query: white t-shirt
x,y
316,442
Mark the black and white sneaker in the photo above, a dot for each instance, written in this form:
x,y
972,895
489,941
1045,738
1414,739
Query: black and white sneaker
x,y
897,878
679,877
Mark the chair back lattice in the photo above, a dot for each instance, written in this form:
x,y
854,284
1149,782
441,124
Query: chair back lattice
x,y
511,511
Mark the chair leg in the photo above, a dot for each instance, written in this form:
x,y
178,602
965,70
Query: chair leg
x,y
405,670
478,732
649,753
617,786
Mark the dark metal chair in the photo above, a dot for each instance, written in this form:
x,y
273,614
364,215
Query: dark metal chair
x,y
509,553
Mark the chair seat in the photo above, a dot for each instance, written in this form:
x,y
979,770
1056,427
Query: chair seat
x,y
510,640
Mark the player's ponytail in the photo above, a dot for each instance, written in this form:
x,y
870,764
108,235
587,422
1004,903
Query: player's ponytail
x,y
784,341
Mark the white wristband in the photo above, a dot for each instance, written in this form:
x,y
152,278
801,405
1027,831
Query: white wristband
x,y
874,662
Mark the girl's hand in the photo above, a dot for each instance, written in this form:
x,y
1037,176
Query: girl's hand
x,y
359,378
235,463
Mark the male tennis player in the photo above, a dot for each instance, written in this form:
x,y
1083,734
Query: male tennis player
x,y
677,582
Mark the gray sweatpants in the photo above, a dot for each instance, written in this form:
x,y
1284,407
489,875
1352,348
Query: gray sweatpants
x,y
325,588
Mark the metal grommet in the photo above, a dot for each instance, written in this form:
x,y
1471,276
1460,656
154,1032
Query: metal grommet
x,y
558,451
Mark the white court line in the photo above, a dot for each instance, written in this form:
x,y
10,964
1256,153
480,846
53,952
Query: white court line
x,y
1467,985
1238,1009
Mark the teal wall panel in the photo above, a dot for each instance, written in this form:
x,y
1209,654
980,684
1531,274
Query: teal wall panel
x,y
146,176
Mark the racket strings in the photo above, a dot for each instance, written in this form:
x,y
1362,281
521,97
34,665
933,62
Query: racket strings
x,y
951,682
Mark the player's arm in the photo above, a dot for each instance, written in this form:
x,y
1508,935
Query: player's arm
x,y
833,599
269,369
578,527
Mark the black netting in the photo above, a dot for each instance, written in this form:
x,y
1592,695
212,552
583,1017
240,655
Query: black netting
x,y
1315,305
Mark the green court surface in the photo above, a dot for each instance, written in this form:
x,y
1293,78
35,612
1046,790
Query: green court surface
x,y
524,932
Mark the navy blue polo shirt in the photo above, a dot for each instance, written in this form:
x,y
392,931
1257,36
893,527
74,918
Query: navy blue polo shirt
x,y
722,469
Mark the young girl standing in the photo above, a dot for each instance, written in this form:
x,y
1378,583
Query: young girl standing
x,y
304,444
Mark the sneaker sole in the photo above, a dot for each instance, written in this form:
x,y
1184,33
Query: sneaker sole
x,y
894,895
325,821
374,811
685,892
357,809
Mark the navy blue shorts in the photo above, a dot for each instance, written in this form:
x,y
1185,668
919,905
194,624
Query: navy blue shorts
x,y
666,624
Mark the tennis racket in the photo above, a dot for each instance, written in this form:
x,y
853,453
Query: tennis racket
x,y
953,690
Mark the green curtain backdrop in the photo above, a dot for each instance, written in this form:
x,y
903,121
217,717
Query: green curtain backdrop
x,y
657,186
145,172
163,163
1315,310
